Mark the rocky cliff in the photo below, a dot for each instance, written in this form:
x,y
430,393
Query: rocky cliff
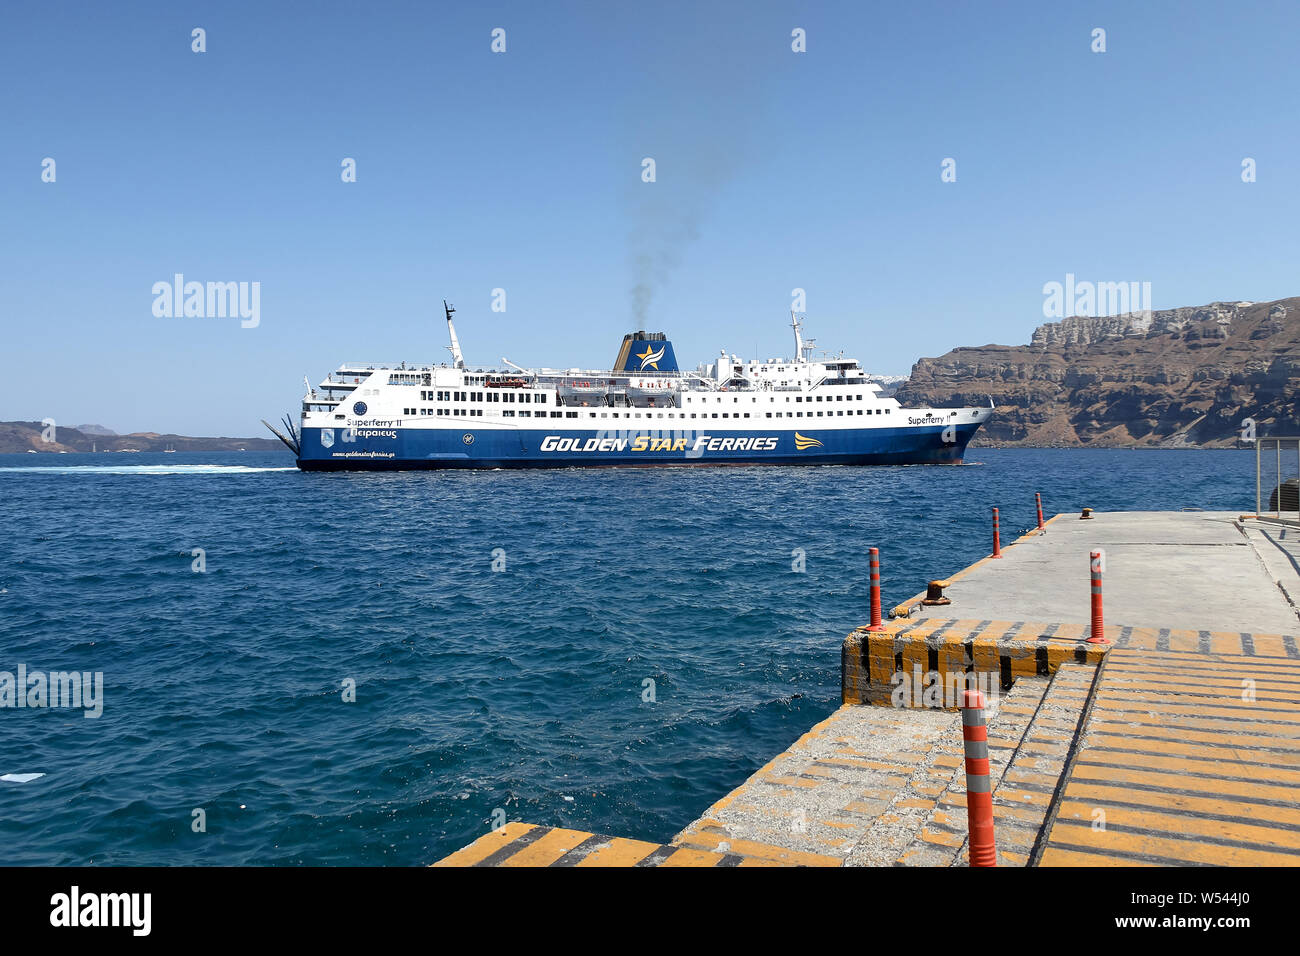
x,y
1179,377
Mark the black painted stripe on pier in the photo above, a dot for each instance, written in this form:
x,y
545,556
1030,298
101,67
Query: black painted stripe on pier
x,y
658,856
937,633
1180,791
1255,748
1199,774
1288,643
1040,660
1005,801
1124,855
582,851
1247,644
1162,639
1212,758
1185,811
514,846
968,645
730,859
1203,642
1005,643
1137,697
1198,839
1049,631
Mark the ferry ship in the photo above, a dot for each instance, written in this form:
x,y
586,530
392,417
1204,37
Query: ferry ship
x,y
644,410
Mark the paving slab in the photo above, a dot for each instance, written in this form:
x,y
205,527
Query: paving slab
x,y
1192,570
1187,757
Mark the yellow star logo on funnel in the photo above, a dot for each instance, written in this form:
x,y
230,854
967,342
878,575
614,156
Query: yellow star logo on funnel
x,y
650,358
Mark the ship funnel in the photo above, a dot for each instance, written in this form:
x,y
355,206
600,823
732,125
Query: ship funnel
x,y
645,352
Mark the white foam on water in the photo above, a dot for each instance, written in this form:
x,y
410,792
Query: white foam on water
x,y
145,470
19,777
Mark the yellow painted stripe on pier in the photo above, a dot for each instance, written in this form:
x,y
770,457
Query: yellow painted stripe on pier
x,y
619,852
1157,735
685,856
1185,770
1270,645
1103,795
547,849
486,845
1121,846
719,843
1062,856
1183,825
1178,781
1209,748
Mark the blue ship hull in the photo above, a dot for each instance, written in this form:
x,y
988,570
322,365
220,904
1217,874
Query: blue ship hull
x,y
394,449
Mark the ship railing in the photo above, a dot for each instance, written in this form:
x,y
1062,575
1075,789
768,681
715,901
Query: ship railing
x,y
386,367
1271,468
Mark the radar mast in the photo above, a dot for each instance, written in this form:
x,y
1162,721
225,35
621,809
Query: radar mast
x,y
457,358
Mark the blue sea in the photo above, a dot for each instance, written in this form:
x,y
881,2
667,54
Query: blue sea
x,y
646,641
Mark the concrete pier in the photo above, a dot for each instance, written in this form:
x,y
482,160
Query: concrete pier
x,y
1175,743
1195,570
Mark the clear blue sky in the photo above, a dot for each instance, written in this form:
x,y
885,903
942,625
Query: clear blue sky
x,y
522,171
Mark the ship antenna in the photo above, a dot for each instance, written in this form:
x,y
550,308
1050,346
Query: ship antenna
x,y
454,348
802,349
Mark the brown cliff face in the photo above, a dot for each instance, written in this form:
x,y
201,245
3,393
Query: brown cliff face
x,y
1179,377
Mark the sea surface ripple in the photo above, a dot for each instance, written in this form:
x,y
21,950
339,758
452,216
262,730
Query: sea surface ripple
x,y
524,690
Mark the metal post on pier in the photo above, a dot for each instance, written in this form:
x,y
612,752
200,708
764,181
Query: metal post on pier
x,y
876,624
1257,485
1096,565
979,795
1279,482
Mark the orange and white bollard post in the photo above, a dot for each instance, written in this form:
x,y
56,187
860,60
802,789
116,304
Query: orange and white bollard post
x,y
979,795
876,624
997,536
1097,563
1038,500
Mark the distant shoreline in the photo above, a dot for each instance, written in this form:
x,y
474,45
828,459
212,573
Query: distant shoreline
x,y
22,437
